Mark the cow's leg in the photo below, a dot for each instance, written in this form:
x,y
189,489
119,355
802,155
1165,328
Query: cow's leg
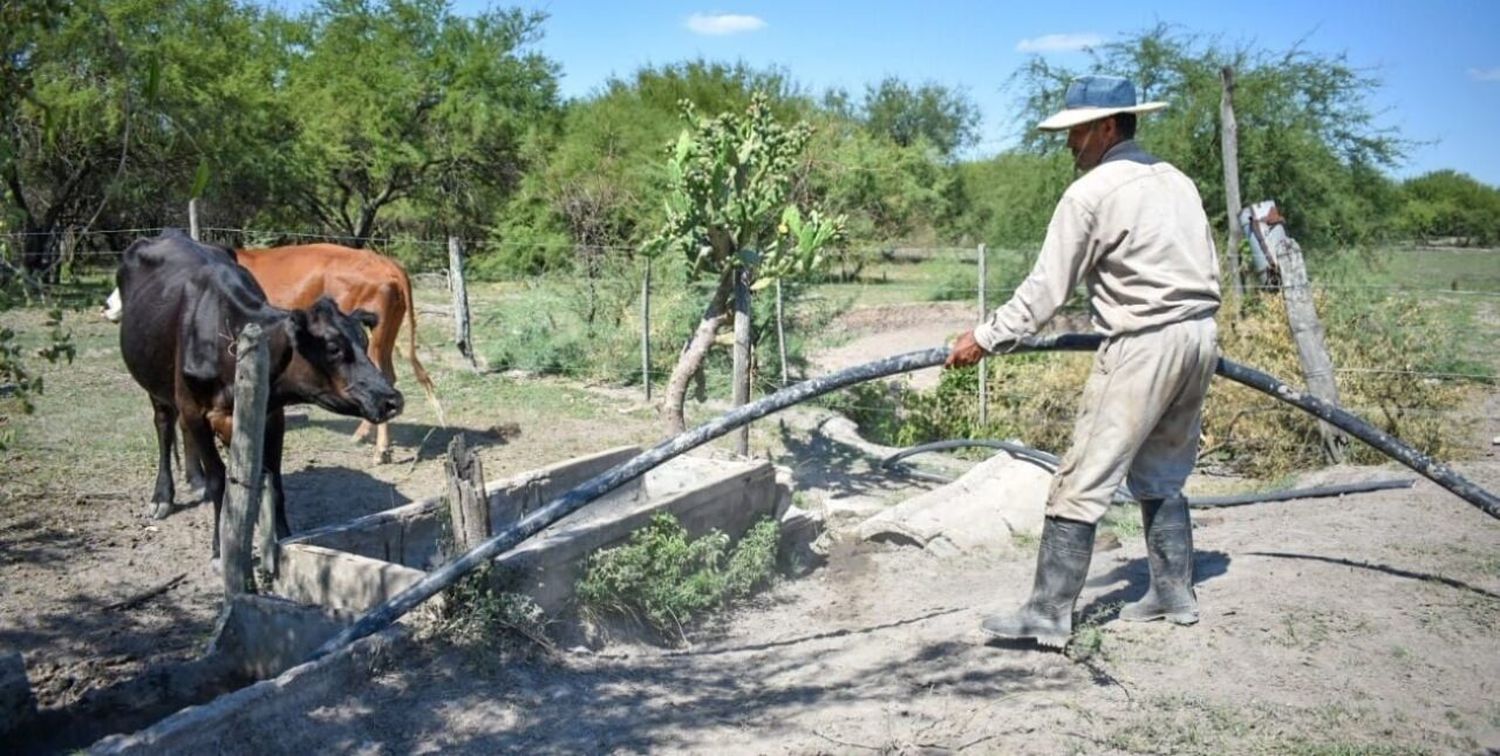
x,y
200,433
275,431
192,472
166,426
391,311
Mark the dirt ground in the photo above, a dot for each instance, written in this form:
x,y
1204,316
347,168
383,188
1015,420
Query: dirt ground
x,y
1363,624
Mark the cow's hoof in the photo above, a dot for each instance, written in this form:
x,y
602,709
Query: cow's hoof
x,y
383,457
160,510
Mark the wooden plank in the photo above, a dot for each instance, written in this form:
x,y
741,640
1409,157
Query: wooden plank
x,y
646,330
742,353
1306,328
460,291
984,392
468,507
246,464
1229,142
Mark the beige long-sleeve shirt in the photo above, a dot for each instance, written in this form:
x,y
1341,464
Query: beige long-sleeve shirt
x,y
1134,231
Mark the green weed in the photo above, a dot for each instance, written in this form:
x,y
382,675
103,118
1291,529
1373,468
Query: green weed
x,y
667,581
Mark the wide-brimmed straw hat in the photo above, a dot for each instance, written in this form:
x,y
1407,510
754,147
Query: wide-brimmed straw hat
x,y
1090,98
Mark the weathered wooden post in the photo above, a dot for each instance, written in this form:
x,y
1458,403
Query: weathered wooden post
x,y
460,301
742,352
193,218
1268,227
984,375
646,330
780,333
242,498
1229,142
468,505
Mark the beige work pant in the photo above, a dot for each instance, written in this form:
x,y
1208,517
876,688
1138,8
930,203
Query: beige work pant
x,y
1140,417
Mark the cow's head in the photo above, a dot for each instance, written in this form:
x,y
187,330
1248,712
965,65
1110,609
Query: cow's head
x,y
332,368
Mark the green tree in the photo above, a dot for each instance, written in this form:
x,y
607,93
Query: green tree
x,y
1452,205
121,110
1307,135
887,191
730,211
403,99
596,181
944,118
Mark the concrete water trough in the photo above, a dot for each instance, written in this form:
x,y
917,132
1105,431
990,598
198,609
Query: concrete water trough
x,y
333,573
358,564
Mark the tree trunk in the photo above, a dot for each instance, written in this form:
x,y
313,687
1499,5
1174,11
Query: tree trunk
x,y
692,357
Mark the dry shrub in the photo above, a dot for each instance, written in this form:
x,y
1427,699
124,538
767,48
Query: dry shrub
x,y
1395,341
1399,338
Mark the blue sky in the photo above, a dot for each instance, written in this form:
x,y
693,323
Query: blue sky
x,y
1439,60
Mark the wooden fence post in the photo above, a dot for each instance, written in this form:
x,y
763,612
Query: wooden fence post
x,y
242,498
193,218
468,505
780,333
1302,319
646,330
742,352
1229,142
984,391
460,301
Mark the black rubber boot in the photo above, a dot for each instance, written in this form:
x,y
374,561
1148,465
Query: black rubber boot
x,y
1169,550
1062,563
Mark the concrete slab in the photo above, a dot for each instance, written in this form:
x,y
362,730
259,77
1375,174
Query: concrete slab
x,y
984,510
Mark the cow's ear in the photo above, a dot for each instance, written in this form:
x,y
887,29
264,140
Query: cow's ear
x,y
365,317
202,339
299,325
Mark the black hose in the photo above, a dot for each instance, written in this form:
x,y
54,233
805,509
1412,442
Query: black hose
x,y
1049,462
1257,497
1387,444
379,617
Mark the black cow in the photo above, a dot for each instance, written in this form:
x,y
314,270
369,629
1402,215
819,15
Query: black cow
x,y
184,306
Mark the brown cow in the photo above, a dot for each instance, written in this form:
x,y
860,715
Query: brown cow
x,y
294,277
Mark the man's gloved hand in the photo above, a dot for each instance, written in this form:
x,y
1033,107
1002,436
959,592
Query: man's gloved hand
x,y
966,351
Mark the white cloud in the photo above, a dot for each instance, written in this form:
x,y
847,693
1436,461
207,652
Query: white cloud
x,y
1059,42
721,24
1484,74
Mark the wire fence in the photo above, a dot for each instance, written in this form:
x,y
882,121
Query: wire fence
x,y
591,321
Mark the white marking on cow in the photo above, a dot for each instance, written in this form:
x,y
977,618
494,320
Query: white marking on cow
x,y
113,307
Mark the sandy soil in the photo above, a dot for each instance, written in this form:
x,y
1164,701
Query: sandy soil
x,y
1348,626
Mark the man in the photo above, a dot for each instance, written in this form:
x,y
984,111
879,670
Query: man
x,y
1133,230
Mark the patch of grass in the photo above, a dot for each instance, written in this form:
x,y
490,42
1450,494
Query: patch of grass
x,y
1193,724
667,581
1088,638
1124,520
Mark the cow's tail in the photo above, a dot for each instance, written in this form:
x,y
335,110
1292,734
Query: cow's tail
x,y
416,365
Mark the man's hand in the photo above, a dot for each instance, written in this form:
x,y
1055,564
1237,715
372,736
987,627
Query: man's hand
x,y
966,351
